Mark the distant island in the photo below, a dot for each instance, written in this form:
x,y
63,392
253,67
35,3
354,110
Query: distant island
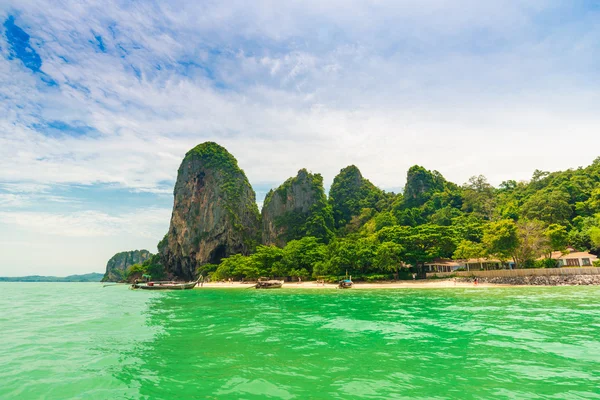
x,y
91,277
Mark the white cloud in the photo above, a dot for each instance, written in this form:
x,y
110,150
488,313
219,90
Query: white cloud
x,y
321,86
148,223
467,87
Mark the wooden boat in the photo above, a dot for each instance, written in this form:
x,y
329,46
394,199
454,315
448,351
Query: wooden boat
x,y
270,284
165,285
345,284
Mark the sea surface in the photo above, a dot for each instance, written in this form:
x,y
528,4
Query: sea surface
x,y
85,341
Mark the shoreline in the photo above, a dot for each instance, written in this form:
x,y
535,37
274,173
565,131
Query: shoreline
x,y
420,284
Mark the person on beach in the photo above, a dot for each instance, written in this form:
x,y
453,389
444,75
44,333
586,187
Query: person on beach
x,y
475,281
414,276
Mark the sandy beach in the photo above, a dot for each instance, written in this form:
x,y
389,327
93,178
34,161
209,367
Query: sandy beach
x,y
420,284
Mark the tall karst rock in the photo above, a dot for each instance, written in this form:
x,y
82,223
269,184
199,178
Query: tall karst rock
x,y
421,185
214,212
296,209
118,264
350,193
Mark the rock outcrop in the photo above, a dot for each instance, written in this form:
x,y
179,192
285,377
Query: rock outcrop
x,y
350,193
296,209
421,184
550,280
214,212
117,265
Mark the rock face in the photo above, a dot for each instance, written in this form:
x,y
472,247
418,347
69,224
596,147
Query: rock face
x,y
350,193
296,209
117,265
214,212
421,184
551,280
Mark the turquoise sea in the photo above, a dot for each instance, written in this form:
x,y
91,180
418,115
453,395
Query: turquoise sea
x,y
83,341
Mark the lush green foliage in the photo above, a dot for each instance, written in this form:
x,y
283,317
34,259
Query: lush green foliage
x,y
296,224
350,193
382,234
233,180
152,266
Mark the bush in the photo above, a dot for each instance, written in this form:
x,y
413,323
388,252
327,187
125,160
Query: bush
x,y
377,277
546,263
530,264
597,263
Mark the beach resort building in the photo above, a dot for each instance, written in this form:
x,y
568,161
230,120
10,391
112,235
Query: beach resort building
x,y
572,258
474,264
568,258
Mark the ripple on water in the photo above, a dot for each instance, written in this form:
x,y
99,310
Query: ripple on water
x,y
77,340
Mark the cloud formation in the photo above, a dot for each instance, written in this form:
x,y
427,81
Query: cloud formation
x,y
114,93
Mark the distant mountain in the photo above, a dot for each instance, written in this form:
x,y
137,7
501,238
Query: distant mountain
x,y
91,277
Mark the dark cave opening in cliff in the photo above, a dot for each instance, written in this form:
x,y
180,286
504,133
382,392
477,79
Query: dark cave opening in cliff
x,y
218,254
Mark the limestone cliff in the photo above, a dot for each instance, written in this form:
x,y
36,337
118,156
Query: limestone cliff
x,y
214,212
296,209
350,193
117,265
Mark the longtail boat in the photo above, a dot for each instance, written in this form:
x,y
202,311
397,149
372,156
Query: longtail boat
x,y
165,285
345,284
270,284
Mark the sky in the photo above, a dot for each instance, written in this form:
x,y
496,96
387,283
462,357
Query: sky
x,y
99,101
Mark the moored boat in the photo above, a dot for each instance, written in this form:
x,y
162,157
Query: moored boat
x,y
345,284
270,284
165,285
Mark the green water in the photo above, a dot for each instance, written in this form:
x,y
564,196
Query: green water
x,y
71,340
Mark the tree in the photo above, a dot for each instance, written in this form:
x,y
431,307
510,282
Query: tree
x,y
388,257
267,259
590,206
467,250
548,206
444,216
478,197
341,255
421,184
557,237
468,227
594,234
299,254
532,242
350,193
421,244
500,239
384,219
227,267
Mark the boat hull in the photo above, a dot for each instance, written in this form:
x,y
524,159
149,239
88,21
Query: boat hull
x,y
269,285
176,286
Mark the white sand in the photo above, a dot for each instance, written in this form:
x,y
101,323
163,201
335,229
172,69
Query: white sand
x,y
419,284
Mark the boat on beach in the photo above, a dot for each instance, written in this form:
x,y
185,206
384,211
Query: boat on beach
x,y
165,285
269,284
345,284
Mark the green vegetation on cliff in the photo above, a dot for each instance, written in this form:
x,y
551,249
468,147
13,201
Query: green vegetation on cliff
x,y
296,209
152,266
216,157
363,230
116,267
214,212
521,222
350,193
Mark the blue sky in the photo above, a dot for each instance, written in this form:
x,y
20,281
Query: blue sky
x,y
99,101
